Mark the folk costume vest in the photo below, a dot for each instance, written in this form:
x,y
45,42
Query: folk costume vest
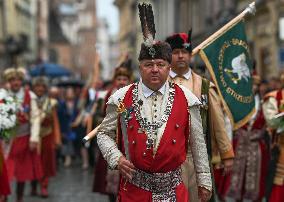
x,y
171,151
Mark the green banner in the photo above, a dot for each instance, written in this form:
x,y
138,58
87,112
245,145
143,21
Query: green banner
x,y
229,63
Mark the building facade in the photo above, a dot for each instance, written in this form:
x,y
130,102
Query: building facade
x,y
263,31
87,37
128,26
103,48
18,32
60,48
77,23
42,30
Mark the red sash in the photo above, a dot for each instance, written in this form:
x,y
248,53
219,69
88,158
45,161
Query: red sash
x,y
23,115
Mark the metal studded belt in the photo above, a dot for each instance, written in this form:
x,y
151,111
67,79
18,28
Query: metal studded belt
x,y
162,185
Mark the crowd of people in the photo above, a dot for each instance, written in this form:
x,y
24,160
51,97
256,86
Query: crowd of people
x,y
51,122
161,138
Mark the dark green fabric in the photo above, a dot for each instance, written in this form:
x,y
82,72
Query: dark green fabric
x,y
230,65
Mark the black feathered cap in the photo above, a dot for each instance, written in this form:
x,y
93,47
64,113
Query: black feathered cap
x,y
151,49
162,51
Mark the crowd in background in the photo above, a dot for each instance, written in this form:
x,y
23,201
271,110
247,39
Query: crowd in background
x,y
79,108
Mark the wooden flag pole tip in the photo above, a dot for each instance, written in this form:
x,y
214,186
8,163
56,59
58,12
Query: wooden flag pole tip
x,y
249,10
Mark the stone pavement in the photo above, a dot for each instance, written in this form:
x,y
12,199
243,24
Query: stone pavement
x,y
70,185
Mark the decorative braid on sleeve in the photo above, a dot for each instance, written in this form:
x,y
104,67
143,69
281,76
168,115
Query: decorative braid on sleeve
x,y
198,149
109,150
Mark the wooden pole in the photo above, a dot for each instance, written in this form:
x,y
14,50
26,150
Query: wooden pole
x,y
249,10
91,134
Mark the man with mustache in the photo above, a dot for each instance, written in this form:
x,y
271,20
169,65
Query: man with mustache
x,y
158,127
156,119
218,143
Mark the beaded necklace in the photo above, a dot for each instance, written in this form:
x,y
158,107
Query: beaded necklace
x,y
151,128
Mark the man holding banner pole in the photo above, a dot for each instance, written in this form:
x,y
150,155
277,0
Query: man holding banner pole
x,y
211,110
226,56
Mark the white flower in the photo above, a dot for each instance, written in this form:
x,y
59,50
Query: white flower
x,y
3,93
7,110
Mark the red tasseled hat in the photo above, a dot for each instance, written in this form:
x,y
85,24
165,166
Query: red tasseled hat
x,y
180,41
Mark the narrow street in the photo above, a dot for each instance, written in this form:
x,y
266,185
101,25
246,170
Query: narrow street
x,y
70,185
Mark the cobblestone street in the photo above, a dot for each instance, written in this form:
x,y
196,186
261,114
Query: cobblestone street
x,y
70,185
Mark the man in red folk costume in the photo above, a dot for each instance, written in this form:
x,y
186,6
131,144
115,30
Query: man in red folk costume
x,y
159,122
247,179
25,152
49,133
4,181
122,77
273,109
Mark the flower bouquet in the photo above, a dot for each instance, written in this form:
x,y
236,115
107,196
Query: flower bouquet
x,y
8,109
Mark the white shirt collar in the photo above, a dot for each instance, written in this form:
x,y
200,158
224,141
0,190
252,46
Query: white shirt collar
x,y
147,92
187,75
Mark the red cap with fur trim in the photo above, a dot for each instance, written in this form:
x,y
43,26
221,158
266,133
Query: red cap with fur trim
x,y
180,41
